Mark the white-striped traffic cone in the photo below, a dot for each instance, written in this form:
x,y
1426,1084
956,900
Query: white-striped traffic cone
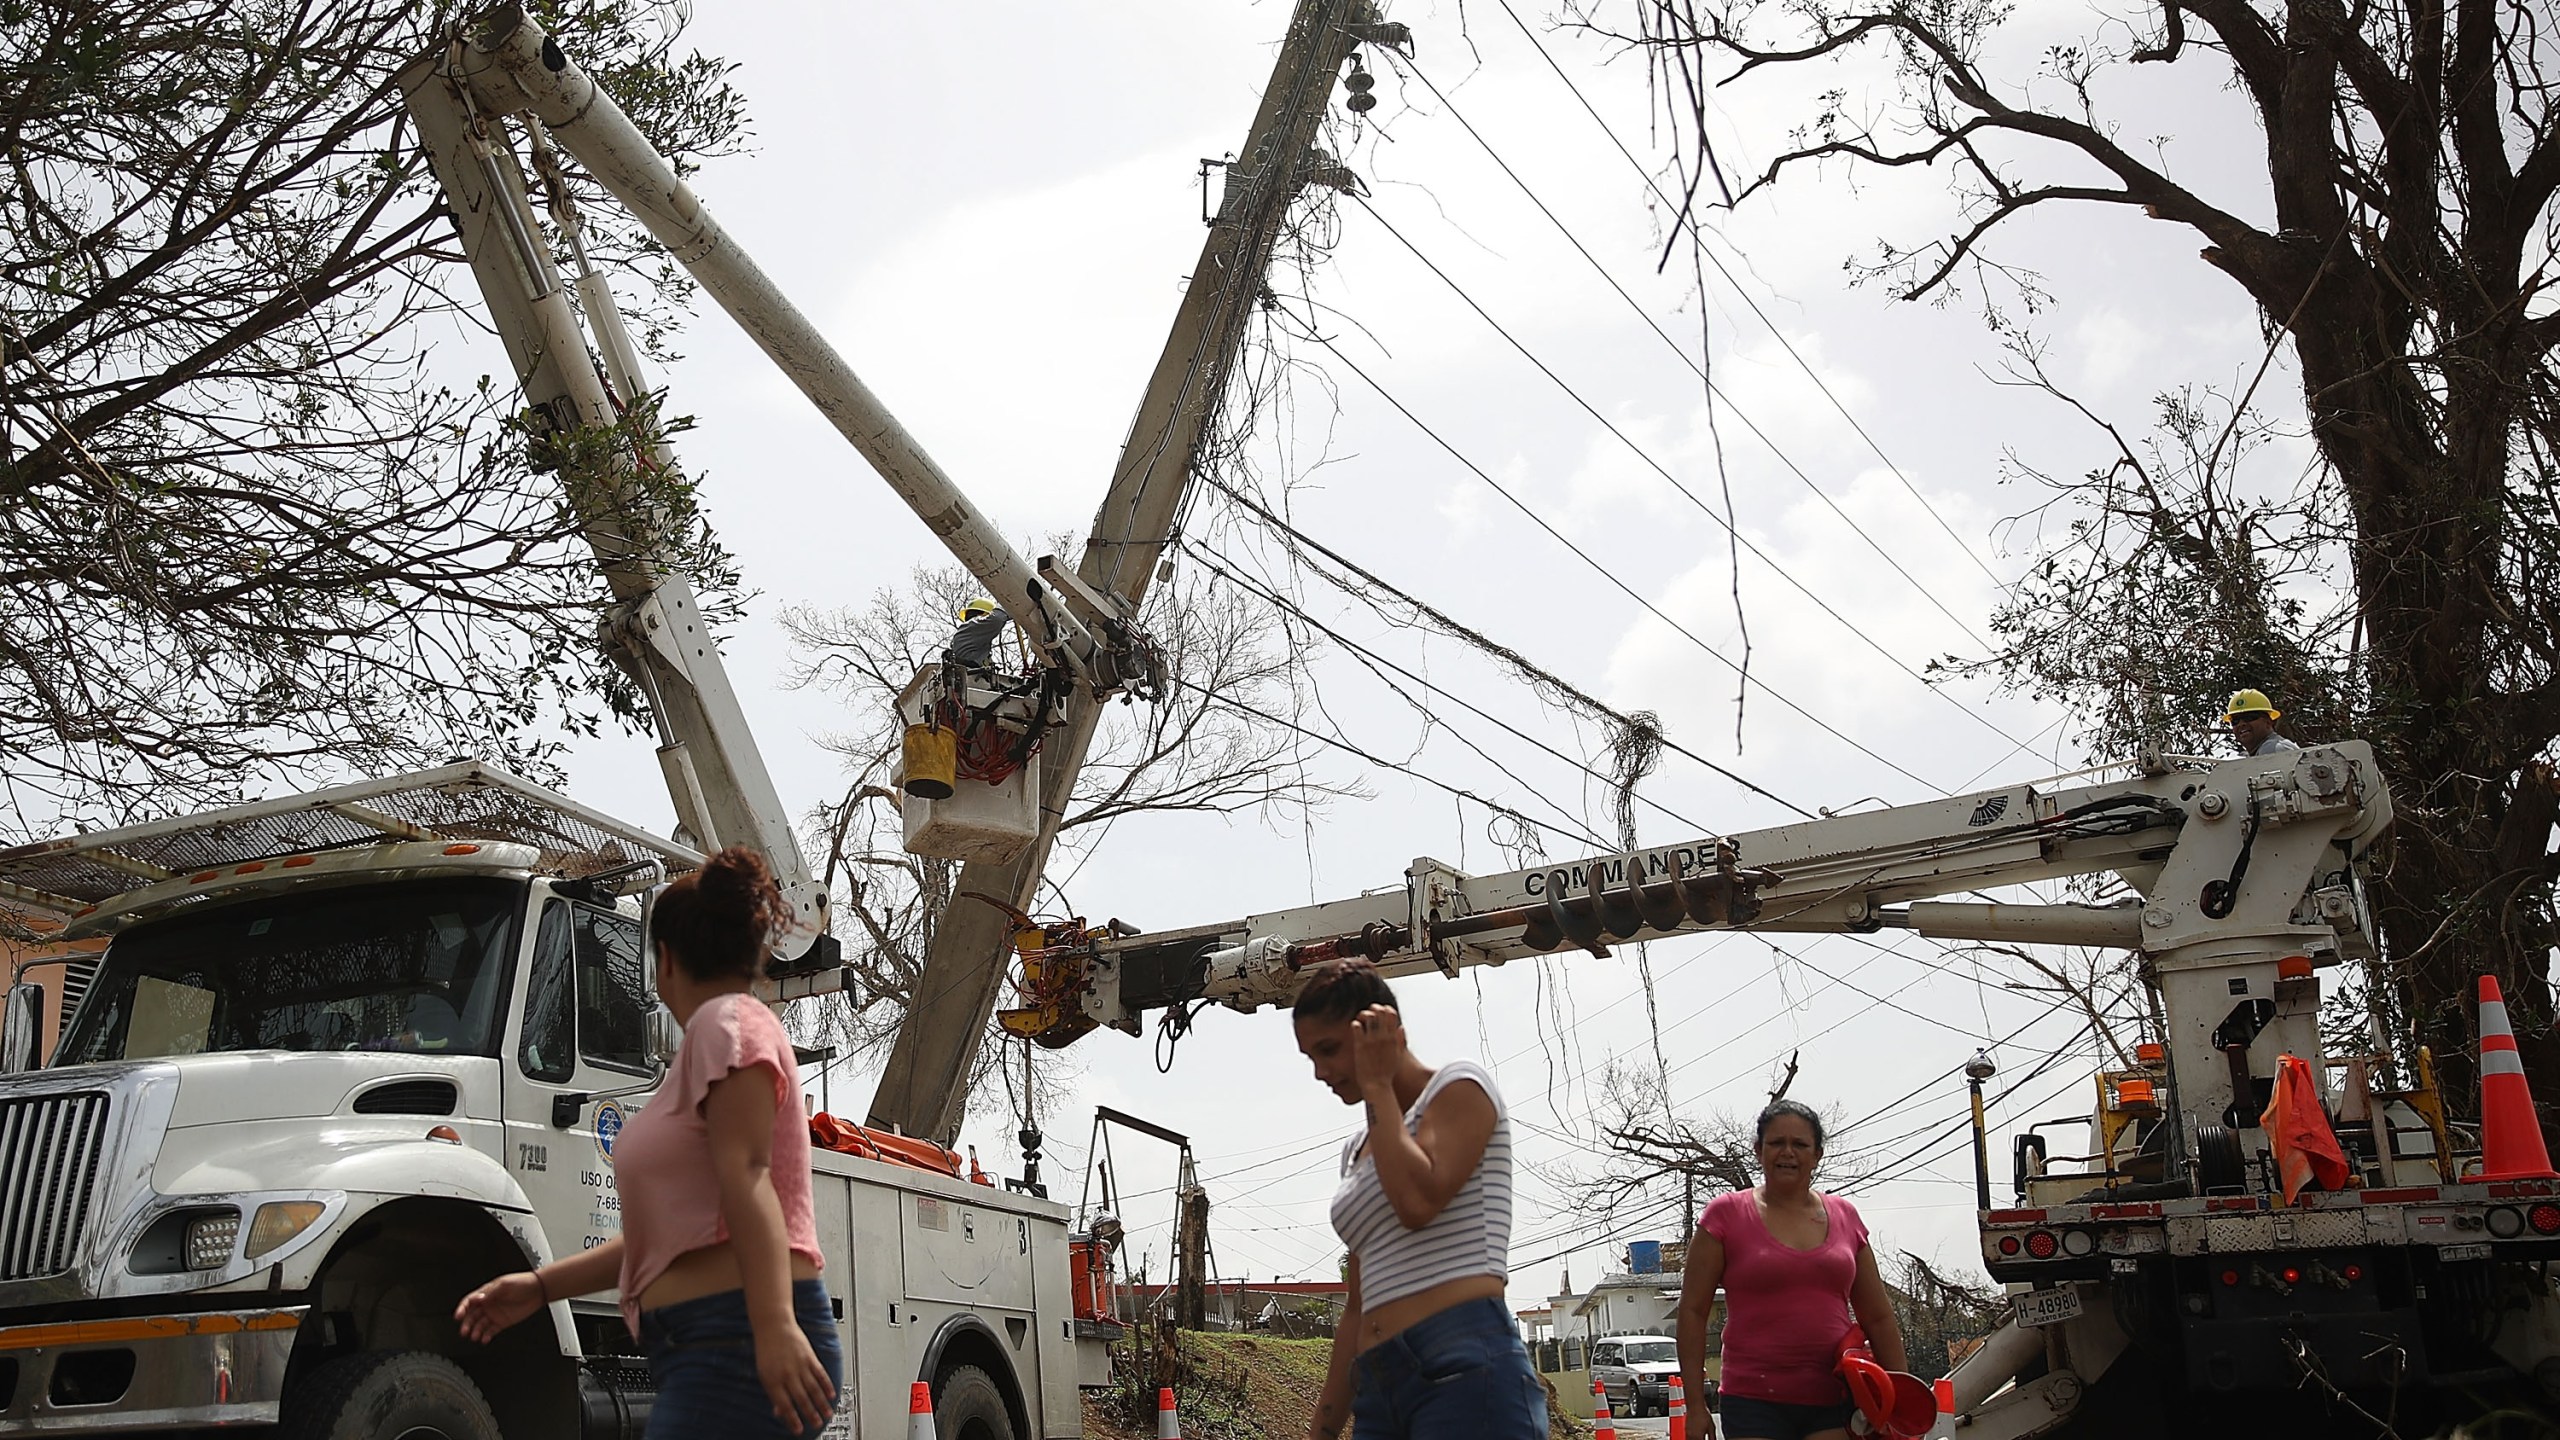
x,y
920,1411
2511,1145
1602,1427
1679,1408
1945,1429
1168,1424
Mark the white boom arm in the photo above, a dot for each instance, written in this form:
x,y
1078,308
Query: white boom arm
x,y
655,632
509,67
2239,866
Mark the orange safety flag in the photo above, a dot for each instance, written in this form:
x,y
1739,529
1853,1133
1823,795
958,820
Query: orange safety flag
x,y
2305,1148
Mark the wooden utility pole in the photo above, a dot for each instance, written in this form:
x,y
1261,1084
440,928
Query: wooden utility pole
x,y
923,1088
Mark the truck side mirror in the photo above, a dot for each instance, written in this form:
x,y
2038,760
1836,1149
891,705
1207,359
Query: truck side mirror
x,y
663,1032
664,1036
18,1029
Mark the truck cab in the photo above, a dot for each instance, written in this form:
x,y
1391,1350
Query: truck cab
x,y
313,1097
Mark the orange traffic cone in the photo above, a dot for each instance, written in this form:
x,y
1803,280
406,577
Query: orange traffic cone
x,y
1168,1424
1602,1427
920,1411
1945,1429
1679,1408
2511,1145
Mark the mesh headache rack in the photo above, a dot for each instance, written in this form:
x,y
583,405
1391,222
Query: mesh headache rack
x,y
462,802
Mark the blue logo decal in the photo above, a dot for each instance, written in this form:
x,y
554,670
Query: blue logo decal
x,y
608,1126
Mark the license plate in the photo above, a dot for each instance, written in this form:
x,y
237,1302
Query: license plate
x,y
2048,1307
2462,1252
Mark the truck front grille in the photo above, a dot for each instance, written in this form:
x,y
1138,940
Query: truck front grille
x,y
49,1150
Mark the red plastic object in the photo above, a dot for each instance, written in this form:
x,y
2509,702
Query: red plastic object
x,y
1896,1404
829,1132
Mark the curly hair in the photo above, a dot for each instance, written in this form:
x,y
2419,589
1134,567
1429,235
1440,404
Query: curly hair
x,y
719,921
1340,989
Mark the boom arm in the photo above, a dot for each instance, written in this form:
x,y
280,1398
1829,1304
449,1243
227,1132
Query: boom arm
x,y
655,631
924,1086
2239,867
509,67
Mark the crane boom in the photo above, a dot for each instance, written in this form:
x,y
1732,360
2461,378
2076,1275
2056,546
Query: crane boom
x,y
2237,866
510,67
924,1086
655,631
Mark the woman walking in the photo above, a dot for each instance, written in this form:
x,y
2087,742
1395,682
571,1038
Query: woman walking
x,y
1794,1265
1426,1348
718,1260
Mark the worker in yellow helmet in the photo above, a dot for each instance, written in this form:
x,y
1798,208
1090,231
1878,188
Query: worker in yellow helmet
x,y
973,644
2252,718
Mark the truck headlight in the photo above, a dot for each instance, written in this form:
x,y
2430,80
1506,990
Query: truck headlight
x,y
209,1239
278,1221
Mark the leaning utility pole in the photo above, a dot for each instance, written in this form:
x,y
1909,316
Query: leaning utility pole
x,y
923,1087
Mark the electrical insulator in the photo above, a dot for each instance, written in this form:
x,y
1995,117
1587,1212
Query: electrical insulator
x,y
1359,83
1362,102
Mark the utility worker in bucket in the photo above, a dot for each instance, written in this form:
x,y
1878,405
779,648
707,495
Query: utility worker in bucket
x,y
973,644
2252,718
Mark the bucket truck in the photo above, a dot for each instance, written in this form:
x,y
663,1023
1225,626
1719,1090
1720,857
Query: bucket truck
x,y
350,1053
2159,1275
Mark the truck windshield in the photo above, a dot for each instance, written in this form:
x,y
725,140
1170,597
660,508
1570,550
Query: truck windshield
x,y
1651,1352
418,966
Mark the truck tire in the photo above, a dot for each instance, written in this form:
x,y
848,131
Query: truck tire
x,y
970,1406
388,1395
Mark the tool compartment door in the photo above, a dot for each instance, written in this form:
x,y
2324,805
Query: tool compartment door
x,y
968,1254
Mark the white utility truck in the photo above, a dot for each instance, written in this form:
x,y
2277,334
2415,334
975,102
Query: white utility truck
x,y
2161,1281
350,1054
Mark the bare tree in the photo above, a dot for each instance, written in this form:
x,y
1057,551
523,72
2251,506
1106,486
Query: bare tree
x,y
1211,746
244,530
1654,1161
1941,1316
2412,152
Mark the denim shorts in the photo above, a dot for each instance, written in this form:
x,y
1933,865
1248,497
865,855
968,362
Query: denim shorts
x,y
702,1357
1747,1419
1458,1375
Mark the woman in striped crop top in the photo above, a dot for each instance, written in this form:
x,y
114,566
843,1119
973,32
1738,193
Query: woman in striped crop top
x,y
1425,1349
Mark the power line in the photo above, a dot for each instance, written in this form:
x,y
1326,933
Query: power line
x,y
1604,572
1657,467
1537,676
1690,223
1695,368
1345,746
1273,597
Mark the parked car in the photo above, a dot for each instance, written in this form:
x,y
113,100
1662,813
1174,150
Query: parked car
x,y
1635,1372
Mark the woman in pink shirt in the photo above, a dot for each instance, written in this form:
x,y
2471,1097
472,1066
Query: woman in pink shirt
x,y
718,1258
1794,1265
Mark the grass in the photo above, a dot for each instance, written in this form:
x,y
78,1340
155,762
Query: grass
x,y
1229,1386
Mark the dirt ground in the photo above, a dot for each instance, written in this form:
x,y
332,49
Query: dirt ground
x,y
1246,1387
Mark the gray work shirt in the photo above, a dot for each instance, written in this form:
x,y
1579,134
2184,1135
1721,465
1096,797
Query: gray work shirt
x,y
2273,745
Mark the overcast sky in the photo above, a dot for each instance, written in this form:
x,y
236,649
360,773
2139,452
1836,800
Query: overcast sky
x,y
992,210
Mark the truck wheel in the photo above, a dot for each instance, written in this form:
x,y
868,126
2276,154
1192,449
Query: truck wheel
x,y
971,1407
388,1395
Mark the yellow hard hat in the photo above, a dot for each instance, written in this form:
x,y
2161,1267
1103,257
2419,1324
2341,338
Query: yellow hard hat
x,y
2250,702
974,608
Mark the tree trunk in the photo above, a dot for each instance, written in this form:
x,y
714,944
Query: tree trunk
x,y
2466,892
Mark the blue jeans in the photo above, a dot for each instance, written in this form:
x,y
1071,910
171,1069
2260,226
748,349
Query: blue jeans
x,y
1459,1375
702,1356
